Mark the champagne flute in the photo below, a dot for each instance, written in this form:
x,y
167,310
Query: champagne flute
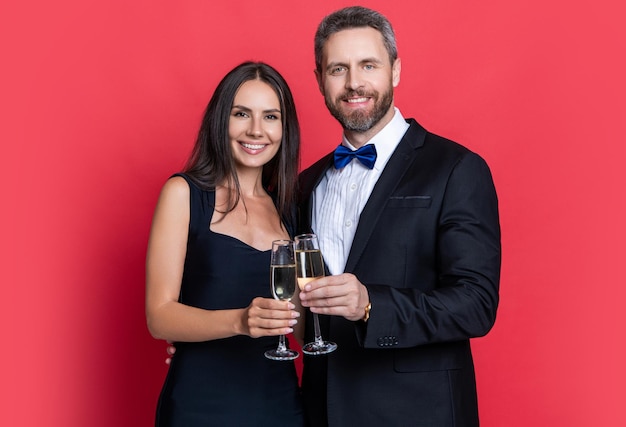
x,y
310,266
283,281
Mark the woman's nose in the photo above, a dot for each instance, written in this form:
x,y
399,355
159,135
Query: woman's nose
x,y
255,128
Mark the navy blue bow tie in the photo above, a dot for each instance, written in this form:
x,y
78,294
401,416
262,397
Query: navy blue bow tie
x,y
365,154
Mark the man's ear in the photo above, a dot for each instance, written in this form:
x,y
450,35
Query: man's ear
x,y
395,72
318,77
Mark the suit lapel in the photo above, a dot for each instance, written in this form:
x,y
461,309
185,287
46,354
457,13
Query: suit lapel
x,y
396,167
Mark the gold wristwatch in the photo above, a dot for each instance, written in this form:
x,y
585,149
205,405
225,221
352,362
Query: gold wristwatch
x,y
368,307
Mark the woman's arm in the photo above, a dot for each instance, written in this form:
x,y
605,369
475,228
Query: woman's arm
x,y
170,320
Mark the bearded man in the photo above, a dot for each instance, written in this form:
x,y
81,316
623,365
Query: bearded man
x,y
409,230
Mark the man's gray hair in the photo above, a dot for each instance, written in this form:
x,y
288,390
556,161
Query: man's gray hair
x,y
354,17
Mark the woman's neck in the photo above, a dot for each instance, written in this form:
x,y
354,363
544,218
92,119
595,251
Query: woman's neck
x,y
250,183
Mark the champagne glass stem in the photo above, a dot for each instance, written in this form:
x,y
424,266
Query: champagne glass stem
x,y
316,327
281,344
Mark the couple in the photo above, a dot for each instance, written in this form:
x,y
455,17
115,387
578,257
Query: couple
x,y
409,233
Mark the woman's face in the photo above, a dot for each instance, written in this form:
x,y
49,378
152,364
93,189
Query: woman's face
x,y
255,127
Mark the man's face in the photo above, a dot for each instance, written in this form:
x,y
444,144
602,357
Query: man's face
x,y
357,79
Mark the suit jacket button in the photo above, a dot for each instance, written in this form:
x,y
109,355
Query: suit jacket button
x,y
380,342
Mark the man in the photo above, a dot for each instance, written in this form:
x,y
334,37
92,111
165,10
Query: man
x,y
413,246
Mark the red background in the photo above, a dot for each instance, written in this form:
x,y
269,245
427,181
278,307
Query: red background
x,y
101,102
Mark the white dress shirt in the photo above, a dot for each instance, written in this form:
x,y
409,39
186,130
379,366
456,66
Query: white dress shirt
x,y
341,195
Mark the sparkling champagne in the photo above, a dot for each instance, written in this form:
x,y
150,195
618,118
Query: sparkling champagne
x,y
310,266
283,281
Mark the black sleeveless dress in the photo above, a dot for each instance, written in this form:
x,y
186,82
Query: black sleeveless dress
x,y
225,382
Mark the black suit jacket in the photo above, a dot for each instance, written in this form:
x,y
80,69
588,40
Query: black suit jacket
x,y
427,248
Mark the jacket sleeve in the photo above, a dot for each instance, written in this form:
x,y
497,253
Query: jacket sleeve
x,y
462,300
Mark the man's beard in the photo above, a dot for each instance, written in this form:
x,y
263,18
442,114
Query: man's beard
x,y
360,120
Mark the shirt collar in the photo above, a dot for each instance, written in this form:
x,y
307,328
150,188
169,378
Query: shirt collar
x,y
386,140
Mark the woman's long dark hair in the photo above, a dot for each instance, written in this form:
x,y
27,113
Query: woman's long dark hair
x,y
211,162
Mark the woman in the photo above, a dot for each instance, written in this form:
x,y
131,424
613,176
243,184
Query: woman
x,y
207,282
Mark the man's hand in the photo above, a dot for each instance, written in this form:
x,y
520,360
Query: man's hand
x,y
171,349
341,295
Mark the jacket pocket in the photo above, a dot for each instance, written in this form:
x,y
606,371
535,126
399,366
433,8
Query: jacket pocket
x,y
409,201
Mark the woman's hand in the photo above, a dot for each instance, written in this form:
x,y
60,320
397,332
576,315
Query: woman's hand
x,y
268,317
